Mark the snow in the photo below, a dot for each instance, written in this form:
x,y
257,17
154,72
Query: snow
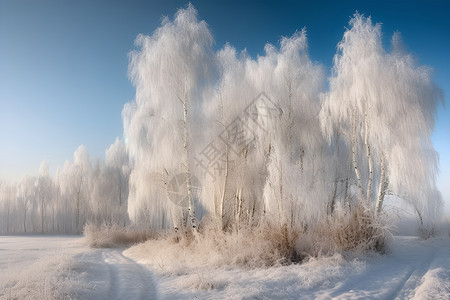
x,y
114,276
413,269
37,267
48,267
42,267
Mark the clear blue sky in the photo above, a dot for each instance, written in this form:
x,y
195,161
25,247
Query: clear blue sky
x,y
63,64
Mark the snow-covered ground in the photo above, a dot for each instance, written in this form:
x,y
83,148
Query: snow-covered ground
x,y
38,267
43,267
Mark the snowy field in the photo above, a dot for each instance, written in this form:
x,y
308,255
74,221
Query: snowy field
x,y
50,267
40,267
37,267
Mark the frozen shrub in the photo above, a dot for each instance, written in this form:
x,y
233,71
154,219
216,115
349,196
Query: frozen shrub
x,y
267,244
259,246
357,228
113,235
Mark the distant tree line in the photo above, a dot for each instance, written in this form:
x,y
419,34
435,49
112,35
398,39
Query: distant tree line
x,y
81,191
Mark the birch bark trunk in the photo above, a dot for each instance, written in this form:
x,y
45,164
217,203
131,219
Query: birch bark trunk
x,y
191,208
355,163
369,158
383,185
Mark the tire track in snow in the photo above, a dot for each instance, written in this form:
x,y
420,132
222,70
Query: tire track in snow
x,y
396,276
416,283
110,275
411,282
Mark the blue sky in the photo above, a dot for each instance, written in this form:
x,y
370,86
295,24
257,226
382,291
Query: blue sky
x,y
63,64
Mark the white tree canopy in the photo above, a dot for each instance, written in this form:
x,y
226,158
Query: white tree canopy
x,y
392,102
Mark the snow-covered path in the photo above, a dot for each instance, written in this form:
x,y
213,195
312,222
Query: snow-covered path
x,y
415,269
113,276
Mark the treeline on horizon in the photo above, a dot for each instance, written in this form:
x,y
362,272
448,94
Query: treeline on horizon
x,y
82,191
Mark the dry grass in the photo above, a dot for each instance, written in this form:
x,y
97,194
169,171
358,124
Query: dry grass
x,y
113,235
258,246
266,244
253,247
428,231
357,229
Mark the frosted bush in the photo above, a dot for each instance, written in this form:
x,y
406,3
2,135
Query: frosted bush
x,y
113,235
265,245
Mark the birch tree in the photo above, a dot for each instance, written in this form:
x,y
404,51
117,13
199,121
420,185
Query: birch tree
x,y
44,186
169,72
27,193
385,106
74,186
118,164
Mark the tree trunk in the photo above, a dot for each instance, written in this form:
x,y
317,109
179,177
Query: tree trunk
x,y
77,220
302,155
53,217
346,188
53,209
280,200
191,208
225,180
336,180
369,159
384,182
290,122
222,200
292,213
355,162
7,213
25,221
42,214
238,206
120,189
177,220
333,198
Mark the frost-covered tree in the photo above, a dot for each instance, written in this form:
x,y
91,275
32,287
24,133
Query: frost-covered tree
x,y
80,169
168,72
74,185
80,192
44,187
384,106
224,103
292,136
27,194
55,205
7,200
98,193
284,126
118,167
